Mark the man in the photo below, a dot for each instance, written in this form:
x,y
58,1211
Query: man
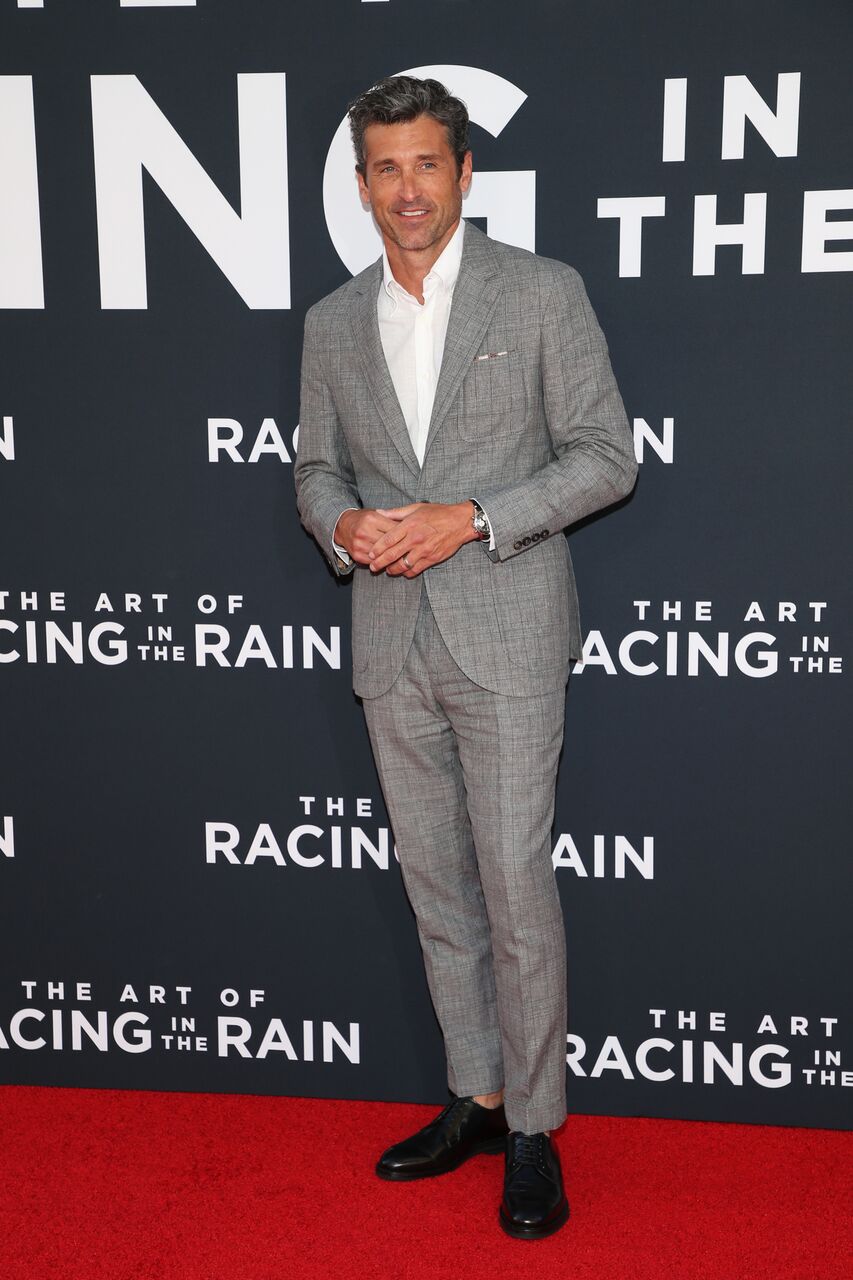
x,y
458,412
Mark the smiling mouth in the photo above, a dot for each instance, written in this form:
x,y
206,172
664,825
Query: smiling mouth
x,y
412,213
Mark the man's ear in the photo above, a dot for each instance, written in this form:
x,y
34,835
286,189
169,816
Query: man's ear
x,y
363,192
465,175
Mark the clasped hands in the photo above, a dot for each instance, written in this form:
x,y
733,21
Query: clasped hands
x,y
406,540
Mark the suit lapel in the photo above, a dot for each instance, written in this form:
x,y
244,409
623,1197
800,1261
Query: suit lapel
x,y
478,287
369,343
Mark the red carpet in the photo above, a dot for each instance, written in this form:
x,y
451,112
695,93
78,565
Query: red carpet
x,y
109,1185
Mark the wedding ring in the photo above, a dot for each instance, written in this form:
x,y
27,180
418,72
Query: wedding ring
x,y
407,562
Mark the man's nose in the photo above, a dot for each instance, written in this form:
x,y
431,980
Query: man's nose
x,y
409,186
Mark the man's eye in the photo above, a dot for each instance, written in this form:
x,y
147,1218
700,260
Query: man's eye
x,y
429,164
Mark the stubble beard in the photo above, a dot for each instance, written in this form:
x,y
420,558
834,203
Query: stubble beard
x,y
424,236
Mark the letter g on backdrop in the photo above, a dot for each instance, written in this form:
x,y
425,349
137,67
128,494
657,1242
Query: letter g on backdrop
x,y
506,200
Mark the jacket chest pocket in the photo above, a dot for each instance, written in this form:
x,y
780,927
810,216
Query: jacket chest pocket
x,y
492,400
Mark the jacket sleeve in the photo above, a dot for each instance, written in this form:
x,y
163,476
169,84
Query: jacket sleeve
x,y
595,464
323,471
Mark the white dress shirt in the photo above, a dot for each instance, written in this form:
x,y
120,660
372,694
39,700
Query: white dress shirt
x,y
412,335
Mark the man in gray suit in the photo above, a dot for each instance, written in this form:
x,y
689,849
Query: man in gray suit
x,y
458,412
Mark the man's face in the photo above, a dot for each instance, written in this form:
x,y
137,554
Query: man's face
x,y
411,181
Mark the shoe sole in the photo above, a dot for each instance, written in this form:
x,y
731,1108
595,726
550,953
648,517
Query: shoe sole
x,y
521,1232
492,1147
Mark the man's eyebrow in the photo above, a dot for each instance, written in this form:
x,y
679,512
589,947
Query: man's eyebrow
x,y
426,155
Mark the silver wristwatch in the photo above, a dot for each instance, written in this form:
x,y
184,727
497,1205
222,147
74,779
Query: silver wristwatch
x,y
480,521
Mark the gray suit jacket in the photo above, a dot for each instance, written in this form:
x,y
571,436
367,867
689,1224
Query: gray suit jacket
x,y
537,433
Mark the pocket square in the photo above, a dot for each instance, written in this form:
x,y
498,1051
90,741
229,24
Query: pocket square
x,y
490,355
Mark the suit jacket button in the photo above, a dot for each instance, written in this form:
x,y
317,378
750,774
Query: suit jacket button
x,y
544,533
525,542
516,546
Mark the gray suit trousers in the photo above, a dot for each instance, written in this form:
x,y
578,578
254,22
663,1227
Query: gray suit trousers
x,y
468,777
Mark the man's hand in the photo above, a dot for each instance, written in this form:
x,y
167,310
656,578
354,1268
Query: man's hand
x,y
357,531
423,534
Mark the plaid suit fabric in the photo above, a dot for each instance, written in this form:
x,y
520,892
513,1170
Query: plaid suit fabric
x,y
538,434
463,669
468,778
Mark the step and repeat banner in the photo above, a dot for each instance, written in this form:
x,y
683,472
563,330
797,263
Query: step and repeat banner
x,y
198,880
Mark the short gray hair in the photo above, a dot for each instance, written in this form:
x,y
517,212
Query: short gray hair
x,y
399,99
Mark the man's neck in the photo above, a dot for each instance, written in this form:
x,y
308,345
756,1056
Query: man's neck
x,y
410,267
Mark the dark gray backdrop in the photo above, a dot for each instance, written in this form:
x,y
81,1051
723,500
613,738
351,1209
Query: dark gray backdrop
x,y
731,789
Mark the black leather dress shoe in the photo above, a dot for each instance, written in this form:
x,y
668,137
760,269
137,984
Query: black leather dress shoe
x,y
534,1203
462,1129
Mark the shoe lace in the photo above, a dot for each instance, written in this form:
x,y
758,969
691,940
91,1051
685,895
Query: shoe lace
x,y
447,1113
526,1148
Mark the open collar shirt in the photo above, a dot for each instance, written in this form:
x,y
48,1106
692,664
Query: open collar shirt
x,y
413,335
